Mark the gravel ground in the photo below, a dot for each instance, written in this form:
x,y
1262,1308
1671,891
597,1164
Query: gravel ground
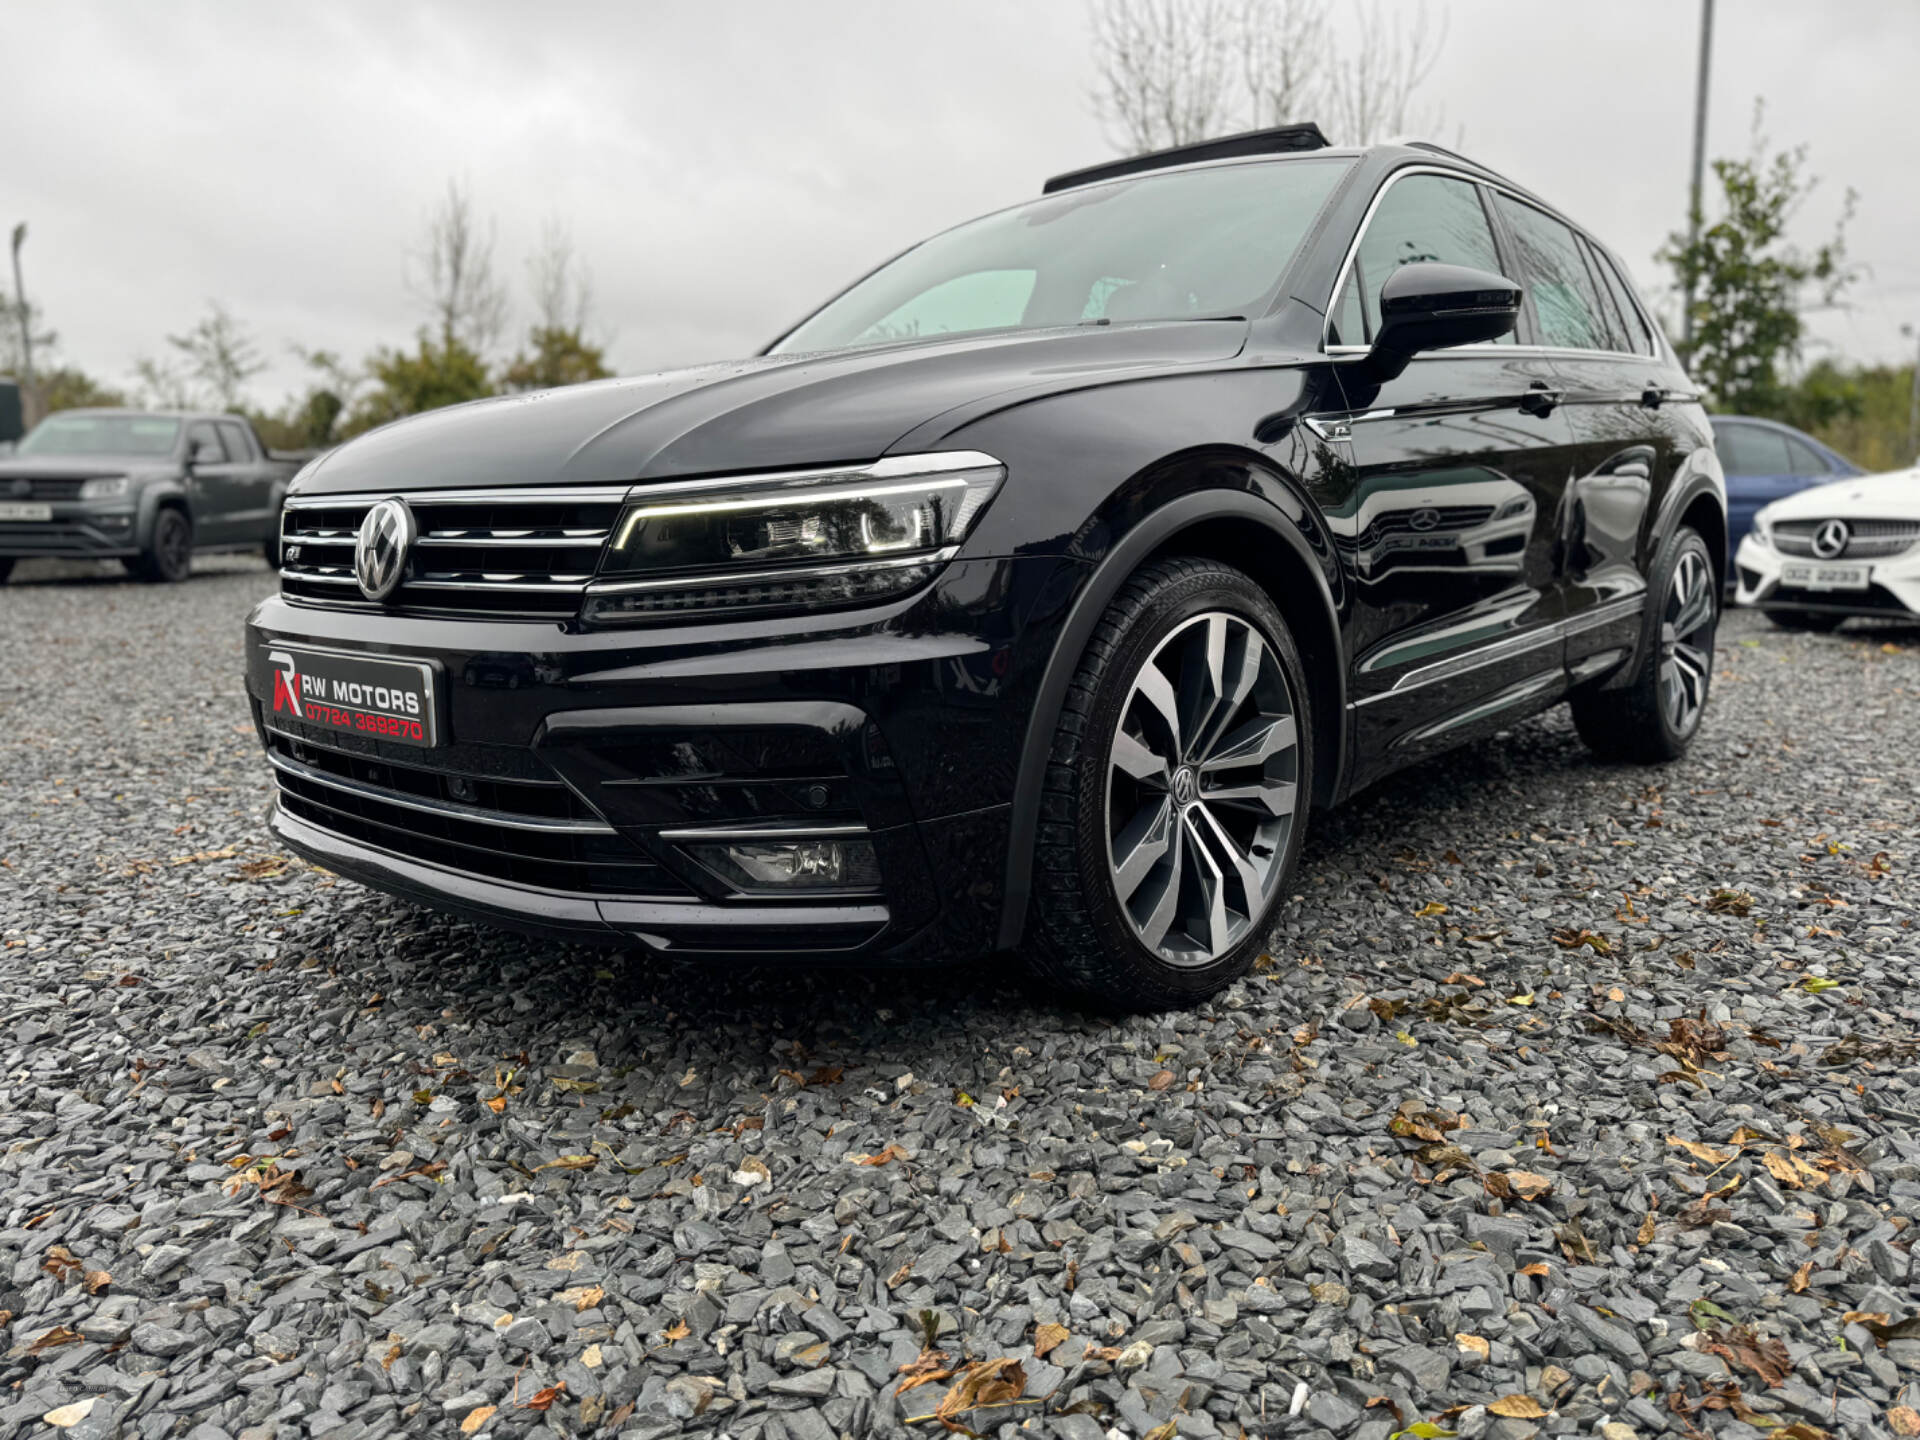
x,y
1572,1099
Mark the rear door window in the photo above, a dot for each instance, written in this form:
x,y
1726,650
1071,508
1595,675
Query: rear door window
x,y
1806,460
1566,306
1639,337
1751,450
1420,218
236,438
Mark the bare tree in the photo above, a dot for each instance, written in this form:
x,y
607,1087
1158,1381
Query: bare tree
x,y
1171,72
453,275
1166,70
562,285
219,357
1372,81
1283,56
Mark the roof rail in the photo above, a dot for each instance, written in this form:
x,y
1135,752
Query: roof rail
x,y
1278,140
1432,149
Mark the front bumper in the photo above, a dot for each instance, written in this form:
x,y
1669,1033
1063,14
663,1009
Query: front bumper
x,y
78,529
1893,584
577,767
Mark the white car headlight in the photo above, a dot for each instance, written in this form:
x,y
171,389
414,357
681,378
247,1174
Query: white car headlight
x,y
104,487
778,542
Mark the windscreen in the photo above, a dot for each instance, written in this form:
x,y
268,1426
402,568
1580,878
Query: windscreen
x,y
1191,244
102,435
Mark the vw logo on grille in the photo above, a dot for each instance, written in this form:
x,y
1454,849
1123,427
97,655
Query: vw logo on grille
x,y
1424,519
1830,540
22,486
380,551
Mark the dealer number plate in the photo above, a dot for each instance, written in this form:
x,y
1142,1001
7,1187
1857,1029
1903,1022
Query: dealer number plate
x,y
374,697
13,510
1824,577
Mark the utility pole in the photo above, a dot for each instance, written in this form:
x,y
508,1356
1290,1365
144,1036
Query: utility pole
x,y
26,323
1699,169
1913,405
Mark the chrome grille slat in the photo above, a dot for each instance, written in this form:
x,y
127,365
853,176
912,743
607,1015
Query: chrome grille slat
x,y
513,553
1868,539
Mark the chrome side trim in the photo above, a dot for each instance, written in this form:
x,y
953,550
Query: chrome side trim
x,y
1508,647
445,809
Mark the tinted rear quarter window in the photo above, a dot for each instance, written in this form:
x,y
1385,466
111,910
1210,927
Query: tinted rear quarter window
x,y
1566,307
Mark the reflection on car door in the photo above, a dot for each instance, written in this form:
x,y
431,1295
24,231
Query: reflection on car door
x,y
1627,432
1451,480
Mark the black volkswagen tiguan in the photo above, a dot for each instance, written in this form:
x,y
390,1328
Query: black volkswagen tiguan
x,y
1029,594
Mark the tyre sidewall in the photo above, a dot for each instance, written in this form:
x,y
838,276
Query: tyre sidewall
x,y
158,565
1216,588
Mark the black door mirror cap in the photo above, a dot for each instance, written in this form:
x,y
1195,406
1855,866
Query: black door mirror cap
x,y
1429,306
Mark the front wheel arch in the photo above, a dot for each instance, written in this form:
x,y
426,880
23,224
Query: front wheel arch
x,y
1241,529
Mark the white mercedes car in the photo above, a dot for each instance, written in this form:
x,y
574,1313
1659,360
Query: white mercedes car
x,y
1850,548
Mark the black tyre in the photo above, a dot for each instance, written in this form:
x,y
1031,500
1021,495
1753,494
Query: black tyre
x,y
169,554
1655,716
1176,792
1815,620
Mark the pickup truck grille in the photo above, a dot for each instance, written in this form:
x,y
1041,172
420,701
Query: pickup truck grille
x,y
513,553
48,487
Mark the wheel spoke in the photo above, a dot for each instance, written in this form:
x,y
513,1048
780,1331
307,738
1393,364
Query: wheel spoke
x,y
1274,799
1213,889
1695,594
1153,687
1254,743
1138,848
1221,844
1165,903
1202,680
1135,757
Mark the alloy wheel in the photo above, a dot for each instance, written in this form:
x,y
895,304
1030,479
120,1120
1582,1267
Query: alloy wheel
x,y
1686,642
1202,783
174,543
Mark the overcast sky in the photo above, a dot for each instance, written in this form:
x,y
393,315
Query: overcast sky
x,y
724,166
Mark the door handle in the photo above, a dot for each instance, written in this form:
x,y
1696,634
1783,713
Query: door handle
x,y
1541,398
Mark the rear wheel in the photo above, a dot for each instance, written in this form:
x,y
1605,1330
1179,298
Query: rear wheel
x,y
1176,795
1656,715
169,553
1816,620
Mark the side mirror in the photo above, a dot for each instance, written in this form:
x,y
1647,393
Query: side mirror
x,y
203,452
1429,306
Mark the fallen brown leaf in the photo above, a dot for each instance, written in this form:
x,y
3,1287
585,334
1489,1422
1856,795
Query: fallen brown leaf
x,y
1047,1339
983,1383
51,1339
569,1162
1161,1080
477,1417
1517,1407
881,1157
1739,1345
543,1399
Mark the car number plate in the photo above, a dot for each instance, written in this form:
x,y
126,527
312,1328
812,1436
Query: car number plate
x,y
13,510
1824,577
365,695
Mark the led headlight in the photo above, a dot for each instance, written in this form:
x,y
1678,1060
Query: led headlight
x,y
830,537
104,487
1763,529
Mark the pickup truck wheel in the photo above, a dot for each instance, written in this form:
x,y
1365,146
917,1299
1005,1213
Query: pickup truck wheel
x,y
1656,715
169,554
1175,797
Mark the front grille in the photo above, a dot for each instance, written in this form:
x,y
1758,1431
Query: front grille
x,y
47,487
528,832
520,553
1867,539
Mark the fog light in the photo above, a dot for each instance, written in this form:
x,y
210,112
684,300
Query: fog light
x,y
792,864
